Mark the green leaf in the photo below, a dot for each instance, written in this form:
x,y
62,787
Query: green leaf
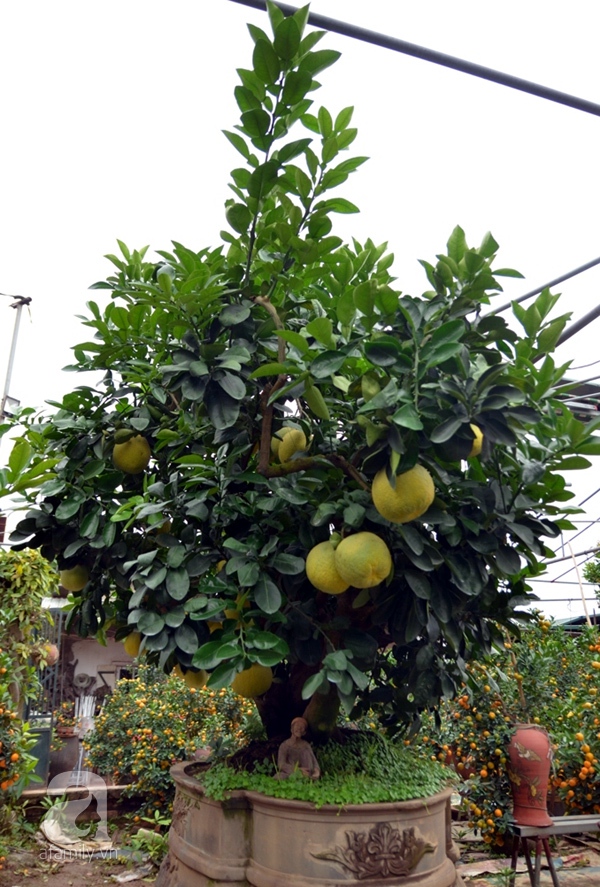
x,y
337,205
317,61
297,84
408,417
150,623
419,584
354,515
256,122
186,639
89,525
385,351
435,356
288,564
222,409
69,507
336,660
232,385
275,14
574,463
488,247
457,244
321,328
342,121
178,583
361,680
298,341
448,332
207,656
269,369
266,640
267,595
263,179
326,364
20,457
239,217
265,62
316,683
287,39
223,675
175,617
292,149
385,399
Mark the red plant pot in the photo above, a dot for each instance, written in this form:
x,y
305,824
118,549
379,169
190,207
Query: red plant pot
x,y
530,754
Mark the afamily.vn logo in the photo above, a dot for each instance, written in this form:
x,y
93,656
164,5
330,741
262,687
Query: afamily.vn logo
x,y
60,824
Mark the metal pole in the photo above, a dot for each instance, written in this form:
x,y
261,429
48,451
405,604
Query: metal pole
x,y
548,285
438,58
18,304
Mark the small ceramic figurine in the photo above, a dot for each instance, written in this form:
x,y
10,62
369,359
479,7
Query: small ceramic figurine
x,y
296,753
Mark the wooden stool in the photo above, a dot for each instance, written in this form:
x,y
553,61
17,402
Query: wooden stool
x,y
561,825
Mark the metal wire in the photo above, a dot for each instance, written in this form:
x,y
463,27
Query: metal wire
x,y
438,58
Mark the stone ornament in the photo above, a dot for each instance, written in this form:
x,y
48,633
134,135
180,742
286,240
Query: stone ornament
x,y
296,754
384,852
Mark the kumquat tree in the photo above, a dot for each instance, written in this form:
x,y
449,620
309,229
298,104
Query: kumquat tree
x,y
548,676
291,477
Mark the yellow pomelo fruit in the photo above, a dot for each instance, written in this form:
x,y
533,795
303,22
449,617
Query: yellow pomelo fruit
x,y
363,560
196,679
408,499
75,578
321,569
178,671
278,437
220,566
253,681
292,443
132,643
133,456
478,441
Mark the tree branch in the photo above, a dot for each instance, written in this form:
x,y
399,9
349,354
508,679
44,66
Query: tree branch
x,y
304,463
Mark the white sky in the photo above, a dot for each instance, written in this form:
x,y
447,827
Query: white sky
x,y
112,115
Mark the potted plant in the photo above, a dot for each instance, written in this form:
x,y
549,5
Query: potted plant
x,y
64,719
293,478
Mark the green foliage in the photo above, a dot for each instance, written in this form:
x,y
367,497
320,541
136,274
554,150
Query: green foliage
x,y
208,352
26,468
16,762
548,676
591,573
366,768
151,842
154,720
26,578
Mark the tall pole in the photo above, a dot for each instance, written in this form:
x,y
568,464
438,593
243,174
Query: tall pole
x,y
19,302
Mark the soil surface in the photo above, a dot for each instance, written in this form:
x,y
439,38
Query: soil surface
x,y
38,867
577,860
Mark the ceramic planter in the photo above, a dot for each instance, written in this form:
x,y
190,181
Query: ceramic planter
x,y
530,754
253,839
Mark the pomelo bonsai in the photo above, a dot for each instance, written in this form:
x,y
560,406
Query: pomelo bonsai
x,y
273,377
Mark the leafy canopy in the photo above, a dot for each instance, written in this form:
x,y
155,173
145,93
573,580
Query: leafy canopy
x,y
207,353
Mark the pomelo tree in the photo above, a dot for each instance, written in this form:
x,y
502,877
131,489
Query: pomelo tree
x,y
272,379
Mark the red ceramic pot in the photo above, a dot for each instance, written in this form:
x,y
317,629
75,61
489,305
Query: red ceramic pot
x,y
530,754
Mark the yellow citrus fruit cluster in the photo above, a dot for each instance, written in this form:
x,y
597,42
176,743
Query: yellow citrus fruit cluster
x,y
75,578
409,498
362,560
131,644
253,681
477,441
288,441
133,456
